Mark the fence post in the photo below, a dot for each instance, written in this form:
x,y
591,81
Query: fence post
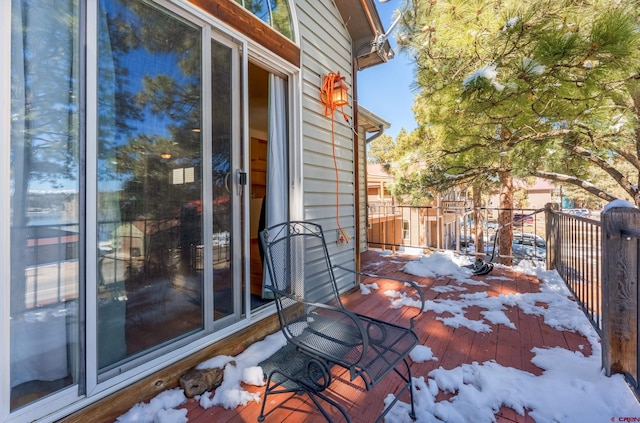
x,y
619,289
552,231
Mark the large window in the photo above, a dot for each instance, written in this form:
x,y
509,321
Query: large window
x,y
274,13
150,178
45,200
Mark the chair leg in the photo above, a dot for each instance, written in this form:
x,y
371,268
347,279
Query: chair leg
x,y
272,390
412,413
313,396
300,388
409,385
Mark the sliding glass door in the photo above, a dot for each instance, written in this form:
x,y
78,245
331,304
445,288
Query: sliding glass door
x,y
127,195
150,180
166,182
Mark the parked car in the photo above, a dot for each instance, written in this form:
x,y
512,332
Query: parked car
x,y
525,245
466,240
529,238
490,224
519,252
579,212
528,252
526,238
521,219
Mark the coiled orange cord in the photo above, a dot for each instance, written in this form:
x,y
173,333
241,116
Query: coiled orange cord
x,y
326,96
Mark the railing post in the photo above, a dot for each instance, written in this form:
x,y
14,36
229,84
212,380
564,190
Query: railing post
x,y
552,232
619,289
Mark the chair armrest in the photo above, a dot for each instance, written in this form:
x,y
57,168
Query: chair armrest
x,y
405,282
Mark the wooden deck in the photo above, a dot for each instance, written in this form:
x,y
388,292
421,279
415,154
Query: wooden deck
x,y
453,347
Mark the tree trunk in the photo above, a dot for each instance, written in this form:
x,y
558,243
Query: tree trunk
x,y
505,218
477,219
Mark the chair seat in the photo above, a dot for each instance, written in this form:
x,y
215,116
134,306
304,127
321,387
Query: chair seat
x,y
340,343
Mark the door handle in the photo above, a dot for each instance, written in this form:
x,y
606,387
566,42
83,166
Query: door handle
x,y
242,177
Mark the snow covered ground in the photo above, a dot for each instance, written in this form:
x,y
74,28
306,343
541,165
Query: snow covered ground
x,y
571,388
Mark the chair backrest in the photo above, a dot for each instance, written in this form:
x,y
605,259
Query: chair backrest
x,y
299,267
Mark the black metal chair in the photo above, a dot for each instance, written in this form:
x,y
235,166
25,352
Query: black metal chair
x,y
315,322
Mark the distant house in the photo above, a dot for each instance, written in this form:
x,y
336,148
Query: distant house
x,y
390,223
378,186
541,192
164,129
370,127
384,220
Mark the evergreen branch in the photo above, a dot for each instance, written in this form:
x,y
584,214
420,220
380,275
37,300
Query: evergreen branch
x,y
604,165
629,157
465,149
539,136
587,186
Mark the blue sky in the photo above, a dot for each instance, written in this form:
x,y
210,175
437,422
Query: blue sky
x,y
385,89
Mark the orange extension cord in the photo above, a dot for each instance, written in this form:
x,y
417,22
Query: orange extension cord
x,y
326,95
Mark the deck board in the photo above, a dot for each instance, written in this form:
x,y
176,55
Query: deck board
x,y
452,347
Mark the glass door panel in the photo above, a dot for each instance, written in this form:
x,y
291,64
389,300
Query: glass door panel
x,y
225,289
150,181
45,199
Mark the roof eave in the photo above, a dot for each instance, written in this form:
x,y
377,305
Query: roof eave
x,y
364,25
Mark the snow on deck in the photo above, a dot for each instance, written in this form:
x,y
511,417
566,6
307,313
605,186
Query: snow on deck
x,y
510,346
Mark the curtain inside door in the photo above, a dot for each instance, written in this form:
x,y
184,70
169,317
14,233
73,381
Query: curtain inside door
x,y
277,194
44,154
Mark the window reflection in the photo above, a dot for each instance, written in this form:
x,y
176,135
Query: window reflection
x,y
274,13
221,95
44,347
262,9
150,180
282,17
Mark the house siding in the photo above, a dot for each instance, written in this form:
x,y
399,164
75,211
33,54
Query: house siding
x,y
326,47
362,191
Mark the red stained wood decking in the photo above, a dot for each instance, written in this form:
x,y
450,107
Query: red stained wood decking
x,y
453,347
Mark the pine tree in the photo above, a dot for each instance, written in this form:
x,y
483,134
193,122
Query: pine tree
x,y
539,87
536,88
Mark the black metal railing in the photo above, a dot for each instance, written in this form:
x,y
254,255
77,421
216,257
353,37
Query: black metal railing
x,y
568,242
576,244
453,227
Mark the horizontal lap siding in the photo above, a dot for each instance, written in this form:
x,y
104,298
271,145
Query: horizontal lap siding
x,y
326,47
362,190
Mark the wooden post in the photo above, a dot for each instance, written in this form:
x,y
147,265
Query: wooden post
x,y
552,232
619,290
